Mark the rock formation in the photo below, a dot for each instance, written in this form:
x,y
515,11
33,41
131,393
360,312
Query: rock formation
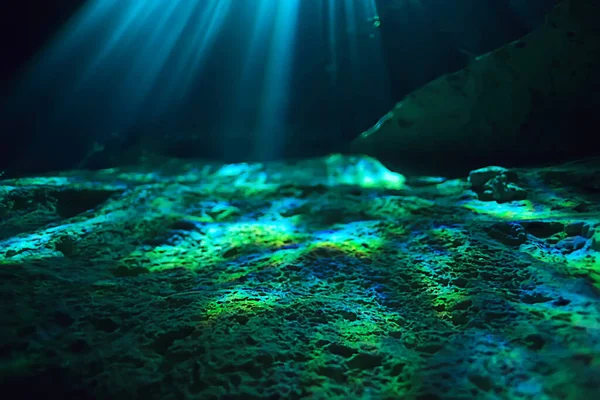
x,y
528,100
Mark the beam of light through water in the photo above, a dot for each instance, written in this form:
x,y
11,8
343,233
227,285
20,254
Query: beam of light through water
x,y
211,21
333,65
261,18
371,7
275,97
352,25
119,61
117,50
365,56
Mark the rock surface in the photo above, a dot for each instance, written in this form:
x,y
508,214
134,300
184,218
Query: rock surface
x,y
496,183
524,99
326,278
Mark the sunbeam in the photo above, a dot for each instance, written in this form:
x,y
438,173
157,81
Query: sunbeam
x,y
332,66
211,19
130,44
117,63
278,73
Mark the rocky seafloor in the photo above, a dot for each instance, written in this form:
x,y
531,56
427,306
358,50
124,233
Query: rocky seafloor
x,y
325,278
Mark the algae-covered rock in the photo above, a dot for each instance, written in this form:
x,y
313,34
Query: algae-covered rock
x,y
320,278
496,184
517,102
479,177
596,240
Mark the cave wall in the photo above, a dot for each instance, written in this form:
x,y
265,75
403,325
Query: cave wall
x,y
530,101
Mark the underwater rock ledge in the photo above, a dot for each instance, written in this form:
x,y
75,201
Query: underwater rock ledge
x,y
530,99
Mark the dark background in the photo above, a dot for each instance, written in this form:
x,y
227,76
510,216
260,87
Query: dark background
x,y
421,40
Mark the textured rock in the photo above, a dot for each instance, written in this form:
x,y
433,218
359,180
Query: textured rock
x,y
318,279
479,177
510,100
503,191
596,240
496,184
543,229
579,228
571,244
511,234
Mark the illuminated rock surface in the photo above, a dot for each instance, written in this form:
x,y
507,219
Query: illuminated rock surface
x,y
328,278
524,99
